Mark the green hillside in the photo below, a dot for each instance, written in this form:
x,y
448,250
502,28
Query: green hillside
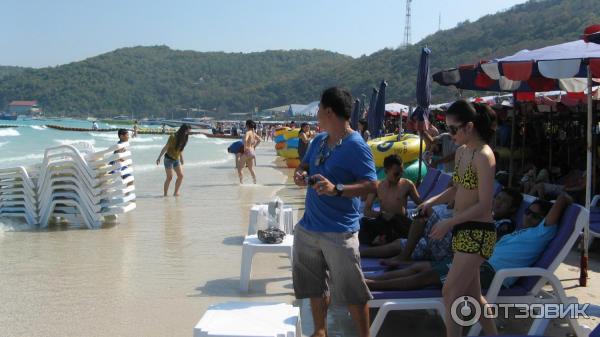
x,y
528,26
155,81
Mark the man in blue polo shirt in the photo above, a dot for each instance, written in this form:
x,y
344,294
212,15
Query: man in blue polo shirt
x,y
338,168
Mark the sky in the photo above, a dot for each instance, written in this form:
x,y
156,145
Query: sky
x,y
40,33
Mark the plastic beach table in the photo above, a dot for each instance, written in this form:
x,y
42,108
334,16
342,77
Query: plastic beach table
x,y
249,319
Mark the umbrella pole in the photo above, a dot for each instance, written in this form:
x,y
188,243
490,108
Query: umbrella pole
x,y
588,195
420,156
524,139
512,147
583,274
550,134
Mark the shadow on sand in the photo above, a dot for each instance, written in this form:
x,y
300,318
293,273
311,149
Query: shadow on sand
x,y
230,287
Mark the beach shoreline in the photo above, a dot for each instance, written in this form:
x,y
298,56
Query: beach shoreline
x,y
156,273
153,274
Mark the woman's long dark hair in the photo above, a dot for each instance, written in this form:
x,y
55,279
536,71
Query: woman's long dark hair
x,y
250,125
181,136
480,114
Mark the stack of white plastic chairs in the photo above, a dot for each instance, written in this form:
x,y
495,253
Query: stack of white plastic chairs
x,y
79,186
89,188
18,196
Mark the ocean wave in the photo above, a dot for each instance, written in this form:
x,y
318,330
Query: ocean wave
x,y
105,135
9,132
141,139
154,167
200,136
75,141
3,143
38,127
146,147
219,141
30,156
13,225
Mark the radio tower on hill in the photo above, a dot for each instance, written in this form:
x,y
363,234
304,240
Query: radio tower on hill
x,y
407,42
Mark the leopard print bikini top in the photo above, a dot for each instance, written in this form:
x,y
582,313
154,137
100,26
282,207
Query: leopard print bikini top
x,y
469,178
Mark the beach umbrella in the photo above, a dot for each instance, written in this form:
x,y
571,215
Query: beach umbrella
x,y
423,93
571,65
355,115
380,111
371,112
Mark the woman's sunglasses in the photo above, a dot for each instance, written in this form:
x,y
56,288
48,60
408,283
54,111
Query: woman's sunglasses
x,y
453,129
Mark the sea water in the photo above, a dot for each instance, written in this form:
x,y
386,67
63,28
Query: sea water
x,y
156,271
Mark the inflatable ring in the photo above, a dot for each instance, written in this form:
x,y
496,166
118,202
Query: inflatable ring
x,y
407,148
292,162
288,153
292,133
293,143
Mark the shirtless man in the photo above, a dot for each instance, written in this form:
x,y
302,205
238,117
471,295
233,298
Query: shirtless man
x,y
391,222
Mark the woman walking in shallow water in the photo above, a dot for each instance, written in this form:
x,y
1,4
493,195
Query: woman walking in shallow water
x,y
251,141
173,161
472,225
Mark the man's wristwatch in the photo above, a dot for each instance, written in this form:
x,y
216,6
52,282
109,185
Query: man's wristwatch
x,y
339,189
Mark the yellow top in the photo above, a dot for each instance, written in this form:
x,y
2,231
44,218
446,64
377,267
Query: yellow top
x,y
469,179
172,150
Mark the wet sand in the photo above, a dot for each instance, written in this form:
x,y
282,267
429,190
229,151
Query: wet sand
x,y
155,273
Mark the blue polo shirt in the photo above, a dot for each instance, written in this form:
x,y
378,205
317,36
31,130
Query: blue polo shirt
x,y
348,163
521,248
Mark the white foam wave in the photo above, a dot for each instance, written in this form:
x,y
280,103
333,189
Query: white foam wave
x,y
38,127
9,132
13,225
140,139
219,141
146,147
75,141
26,157
3,143
105,135
200,136
154,167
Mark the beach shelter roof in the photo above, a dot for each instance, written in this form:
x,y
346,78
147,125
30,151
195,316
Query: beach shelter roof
x,y
569,66
563,66
557,67
395,109
307,110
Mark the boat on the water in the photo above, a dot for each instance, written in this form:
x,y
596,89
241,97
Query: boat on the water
x,y
8,117
195,123
141,131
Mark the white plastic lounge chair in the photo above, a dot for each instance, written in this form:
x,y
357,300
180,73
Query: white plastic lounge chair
x,y
526,290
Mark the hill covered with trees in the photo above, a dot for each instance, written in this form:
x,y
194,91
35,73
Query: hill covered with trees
x,y
154,81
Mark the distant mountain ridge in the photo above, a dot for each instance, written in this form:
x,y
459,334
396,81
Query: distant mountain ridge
x,y
155,81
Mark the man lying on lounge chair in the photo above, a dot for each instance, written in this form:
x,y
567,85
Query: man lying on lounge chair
x,y
516,250
418,245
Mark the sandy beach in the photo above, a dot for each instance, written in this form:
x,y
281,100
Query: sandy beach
x,y
156,272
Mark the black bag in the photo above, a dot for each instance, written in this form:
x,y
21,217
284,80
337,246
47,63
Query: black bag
x,y
271,235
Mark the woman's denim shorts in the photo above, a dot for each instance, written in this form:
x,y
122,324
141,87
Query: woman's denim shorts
x,y
170,163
